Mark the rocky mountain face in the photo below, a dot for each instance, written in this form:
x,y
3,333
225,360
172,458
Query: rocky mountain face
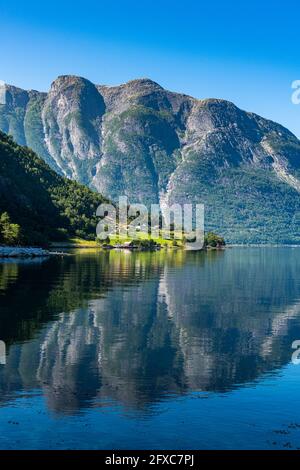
x,y
154,145
47,206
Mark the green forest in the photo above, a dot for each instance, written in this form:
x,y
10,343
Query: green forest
x,y
36,204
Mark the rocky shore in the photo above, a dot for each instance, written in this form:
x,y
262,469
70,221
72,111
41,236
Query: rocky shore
x,y
22,252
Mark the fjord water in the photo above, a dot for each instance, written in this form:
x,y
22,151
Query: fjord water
x,y
173,350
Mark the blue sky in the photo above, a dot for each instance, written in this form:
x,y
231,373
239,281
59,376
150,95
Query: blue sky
x,y
243,51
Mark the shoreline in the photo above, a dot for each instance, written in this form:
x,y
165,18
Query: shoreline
x,y
27,252
261,245
36,252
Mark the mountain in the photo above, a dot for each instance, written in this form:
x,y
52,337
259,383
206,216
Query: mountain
x,y
155,146
46,206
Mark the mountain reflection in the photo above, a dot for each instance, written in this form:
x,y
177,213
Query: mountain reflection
x,y
134,328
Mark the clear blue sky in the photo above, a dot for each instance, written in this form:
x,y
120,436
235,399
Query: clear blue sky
x,y
244,51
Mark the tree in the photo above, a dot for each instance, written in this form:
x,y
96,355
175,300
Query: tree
x,y
213,240
10,234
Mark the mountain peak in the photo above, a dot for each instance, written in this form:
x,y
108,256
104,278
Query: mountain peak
x,y
143,82
64,81
157,146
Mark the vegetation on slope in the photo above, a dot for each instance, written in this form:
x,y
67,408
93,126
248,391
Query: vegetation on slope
x,y
45,205
246,205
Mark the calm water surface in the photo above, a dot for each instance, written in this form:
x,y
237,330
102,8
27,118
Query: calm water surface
x,y
151,350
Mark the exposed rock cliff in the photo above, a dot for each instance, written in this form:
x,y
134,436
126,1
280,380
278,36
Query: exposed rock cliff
x,y
154,145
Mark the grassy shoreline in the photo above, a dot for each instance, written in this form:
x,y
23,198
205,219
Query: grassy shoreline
x,y
143,242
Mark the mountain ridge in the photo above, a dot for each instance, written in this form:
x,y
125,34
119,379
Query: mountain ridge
x,y
157,146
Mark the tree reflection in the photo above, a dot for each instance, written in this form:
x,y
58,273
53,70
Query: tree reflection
x,y
135,328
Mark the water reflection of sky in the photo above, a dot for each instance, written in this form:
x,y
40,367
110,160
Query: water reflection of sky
x,y
198,346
